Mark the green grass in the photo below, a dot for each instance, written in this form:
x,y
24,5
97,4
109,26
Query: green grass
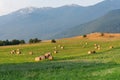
x,y
71,63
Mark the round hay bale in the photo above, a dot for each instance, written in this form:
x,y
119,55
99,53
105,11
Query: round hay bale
x,y
50,57
37,58
95,44
12,52
86,43
42,57
111,47
62,47
31,53
99,48
46,55
18,52
55,52
89,52
96,47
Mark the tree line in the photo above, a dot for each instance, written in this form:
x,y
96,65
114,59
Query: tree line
x,y
17,42
12,42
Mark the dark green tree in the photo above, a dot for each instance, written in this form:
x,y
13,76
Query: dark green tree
x,y
53,41
22,41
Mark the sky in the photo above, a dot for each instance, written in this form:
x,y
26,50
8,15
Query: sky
x,y
8,6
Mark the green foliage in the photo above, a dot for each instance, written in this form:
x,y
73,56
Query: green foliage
x,y
35,40
102,34
53,41
22,42
12,42
84,36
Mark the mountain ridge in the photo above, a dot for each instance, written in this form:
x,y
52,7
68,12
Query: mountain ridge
x,y
110,22
45,23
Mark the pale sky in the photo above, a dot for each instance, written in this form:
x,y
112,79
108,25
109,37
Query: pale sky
x,y
7,6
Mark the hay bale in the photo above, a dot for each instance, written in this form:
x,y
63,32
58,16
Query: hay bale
x,y
37,58
96,47
47,55
62,47
18,52
31,53
55,52
42,57
111,47
89,52
50,57
95,44
99,48
12,52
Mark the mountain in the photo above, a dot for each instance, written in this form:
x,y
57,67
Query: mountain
x,y
107,23
45,23
38,22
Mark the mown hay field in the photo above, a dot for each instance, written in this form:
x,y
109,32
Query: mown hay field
x,y
70,63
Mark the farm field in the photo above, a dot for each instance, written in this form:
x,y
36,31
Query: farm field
x,y
71,63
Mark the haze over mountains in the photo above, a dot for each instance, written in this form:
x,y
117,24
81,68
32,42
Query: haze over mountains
x,y
109,23
48,23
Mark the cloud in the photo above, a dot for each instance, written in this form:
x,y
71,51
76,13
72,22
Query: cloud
x,y
1,7
7,6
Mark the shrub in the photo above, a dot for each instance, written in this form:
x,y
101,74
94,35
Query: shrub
x,y
12,42
102,34
53,41
35,40
84,36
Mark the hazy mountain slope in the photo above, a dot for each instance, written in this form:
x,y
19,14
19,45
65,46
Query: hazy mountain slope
x,y
39,23
107,23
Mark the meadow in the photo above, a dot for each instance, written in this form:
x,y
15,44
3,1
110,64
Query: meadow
x,y
71,63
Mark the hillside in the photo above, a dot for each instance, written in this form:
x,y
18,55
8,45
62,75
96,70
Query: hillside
x,y
108,23
44,23
71,63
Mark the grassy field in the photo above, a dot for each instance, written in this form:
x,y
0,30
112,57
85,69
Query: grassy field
x,y
71,63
